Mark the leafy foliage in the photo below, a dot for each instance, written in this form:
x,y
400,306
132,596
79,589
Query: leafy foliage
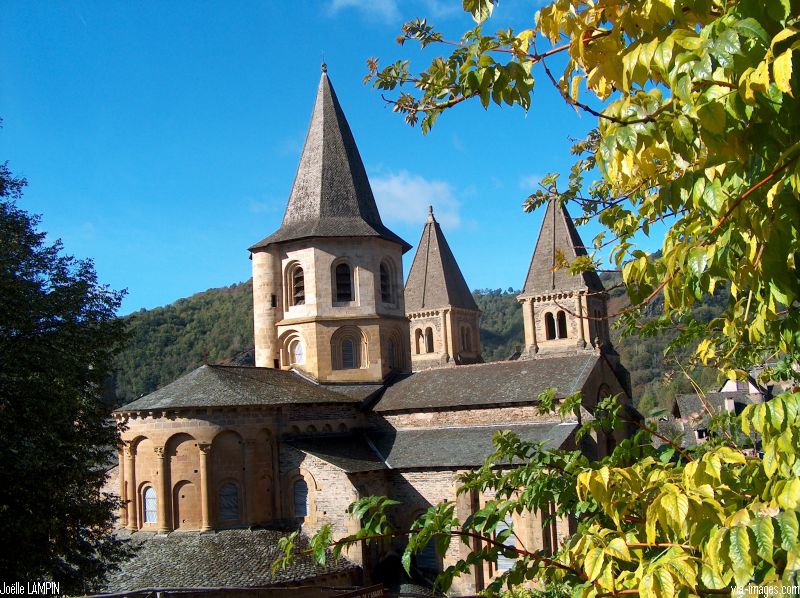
x,y
652,521
58,338
697,126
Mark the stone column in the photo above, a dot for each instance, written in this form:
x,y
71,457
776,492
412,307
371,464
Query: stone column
x,y
205,482
123,510
529,324
250,481
163,498
445,335
581,321
130,482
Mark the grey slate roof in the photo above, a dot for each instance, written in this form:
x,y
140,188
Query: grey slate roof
x,y
435,280
691,406
238,558
331,195
458,447
489,383
558,233
349,453
424,447
229,386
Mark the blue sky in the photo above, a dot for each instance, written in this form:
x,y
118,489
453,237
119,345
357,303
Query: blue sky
x,y
162,139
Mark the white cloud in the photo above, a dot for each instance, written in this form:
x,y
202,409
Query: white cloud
x,y
405,197
443,9
530,182
267,206
385,10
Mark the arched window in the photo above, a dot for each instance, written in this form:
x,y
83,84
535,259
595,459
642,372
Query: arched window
x,y
343,275
428,340
348,354
150,512
468,344
229,502
297,286
503,562
295,352
562,324
387,283
549,326
300,492
348,349
418,341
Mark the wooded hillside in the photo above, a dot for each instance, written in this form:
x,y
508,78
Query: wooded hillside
x,y
169,341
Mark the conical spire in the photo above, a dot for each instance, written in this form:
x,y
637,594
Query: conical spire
x,y
558,234
435,280
331,195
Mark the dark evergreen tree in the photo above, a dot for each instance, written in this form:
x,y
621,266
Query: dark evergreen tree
x,y
58,338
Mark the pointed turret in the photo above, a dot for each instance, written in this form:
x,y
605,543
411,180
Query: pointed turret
x,y
444,316
327,285
558,235
561,311
331,195
435,280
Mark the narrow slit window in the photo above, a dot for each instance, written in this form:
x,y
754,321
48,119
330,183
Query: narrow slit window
x,y
549,326
344,283
562,324
150,513
298,287
393,352
300,491
348,354
429,340
386,284
505,563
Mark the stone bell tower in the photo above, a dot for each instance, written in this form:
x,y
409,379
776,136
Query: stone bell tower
x,y
445,320
328,284
562,312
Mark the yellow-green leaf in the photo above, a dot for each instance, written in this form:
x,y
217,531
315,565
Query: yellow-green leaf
x,y
782,71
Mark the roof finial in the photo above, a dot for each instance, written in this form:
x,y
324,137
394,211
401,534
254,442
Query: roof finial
x,y
430,214
324,66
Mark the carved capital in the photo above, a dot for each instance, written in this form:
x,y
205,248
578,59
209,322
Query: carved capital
x,y
159,451
129,451
249,444
205,448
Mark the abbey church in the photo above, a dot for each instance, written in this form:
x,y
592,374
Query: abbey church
x,y
362,385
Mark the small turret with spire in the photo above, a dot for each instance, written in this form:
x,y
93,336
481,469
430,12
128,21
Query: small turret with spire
x,y
444,316
561,312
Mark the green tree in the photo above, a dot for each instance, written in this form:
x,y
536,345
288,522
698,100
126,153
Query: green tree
x,y
58,337
698,125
